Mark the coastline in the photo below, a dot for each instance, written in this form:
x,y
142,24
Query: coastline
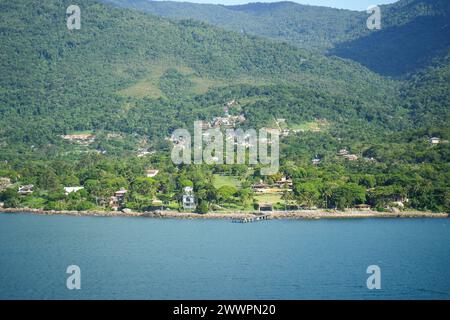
x,y
301,214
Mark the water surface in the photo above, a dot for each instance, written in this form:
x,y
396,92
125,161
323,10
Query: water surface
x,y
144,258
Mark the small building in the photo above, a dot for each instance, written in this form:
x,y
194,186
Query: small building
x,y
398,204
26,190
260,185
231,103
400,198
143,153
118,199
157,204
188,198
80,138
114,203
121,194
4,183
435,140
266,207
315,161
284,181
292,206
363,207
351,157
399,201
68,190
343,152
150,173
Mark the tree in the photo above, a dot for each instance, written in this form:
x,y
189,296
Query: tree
x,y
48,180
202,207
245,195
307,194
226,193
287,196
144,186
10,198
348,195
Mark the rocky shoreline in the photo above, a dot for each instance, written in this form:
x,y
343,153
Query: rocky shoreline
x,y
303,214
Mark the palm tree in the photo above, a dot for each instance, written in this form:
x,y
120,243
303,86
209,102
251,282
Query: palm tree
x,y
287,196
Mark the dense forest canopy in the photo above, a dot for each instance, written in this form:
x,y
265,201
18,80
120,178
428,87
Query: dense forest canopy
x,y
391,51
127,79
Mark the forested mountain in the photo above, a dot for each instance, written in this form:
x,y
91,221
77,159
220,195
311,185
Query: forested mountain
x,y
427,94
414,32
120,71
127,79
308,27
391,51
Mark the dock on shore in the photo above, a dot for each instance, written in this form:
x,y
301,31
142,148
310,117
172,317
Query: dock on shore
x,y
252,219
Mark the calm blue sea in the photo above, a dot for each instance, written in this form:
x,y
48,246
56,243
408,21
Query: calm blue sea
x,y
143,258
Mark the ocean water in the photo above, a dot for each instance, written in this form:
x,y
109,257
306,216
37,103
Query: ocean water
x,y
144,258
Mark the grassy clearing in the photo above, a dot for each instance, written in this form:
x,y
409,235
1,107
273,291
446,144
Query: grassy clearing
x,y
271,198
148,87
254,99
220,181
80,132
309,126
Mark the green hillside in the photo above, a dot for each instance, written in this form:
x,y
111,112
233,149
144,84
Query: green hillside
x,y
125,71
414,32
128,79
428,94
308,27
392,51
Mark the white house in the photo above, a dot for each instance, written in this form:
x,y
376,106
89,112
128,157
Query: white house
x,y
188,198
150,173
26,190
435,140
68,190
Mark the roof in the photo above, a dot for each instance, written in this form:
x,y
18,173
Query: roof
x,y
152,172
72,189
265,205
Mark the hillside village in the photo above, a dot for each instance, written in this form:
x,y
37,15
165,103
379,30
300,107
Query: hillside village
x,y
160,185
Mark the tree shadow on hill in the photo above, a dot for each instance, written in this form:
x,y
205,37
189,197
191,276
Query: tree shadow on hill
x,y
397,51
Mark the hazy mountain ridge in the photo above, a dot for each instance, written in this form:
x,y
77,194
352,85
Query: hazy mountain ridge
x,y
391,51
310,27
414,32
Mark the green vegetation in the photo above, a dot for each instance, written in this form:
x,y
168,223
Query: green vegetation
x,y
392,51
308,27
130,79
220,181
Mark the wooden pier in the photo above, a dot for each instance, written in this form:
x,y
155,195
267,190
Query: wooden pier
x,y
252,219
